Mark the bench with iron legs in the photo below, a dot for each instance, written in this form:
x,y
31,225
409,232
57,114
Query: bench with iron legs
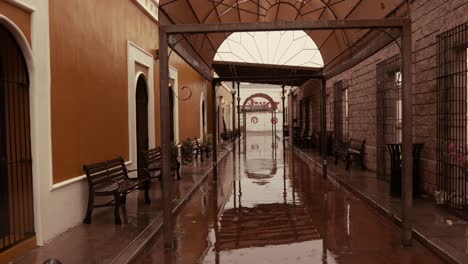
x,y
309,140
317,139
110,178
196,149
153,163
205,147
352,149
298,137
304,140
340,149
199,148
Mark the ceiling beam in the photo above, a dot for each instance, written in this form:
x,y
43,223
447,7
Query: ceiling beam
x,y
285,25
201,68
317,76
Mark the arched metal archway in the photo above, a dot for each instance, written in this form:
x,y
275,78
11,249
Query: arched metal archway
x,y
260,95
269,107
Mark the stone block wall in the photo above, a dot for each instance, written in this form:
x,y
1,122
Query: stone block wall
x,y
430,18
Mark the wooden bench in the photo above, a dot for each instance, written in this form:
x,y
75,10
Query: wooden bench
x,y
340,149
299,136
153,163
199,148
110,178
307,141
205,146
317,140
351,149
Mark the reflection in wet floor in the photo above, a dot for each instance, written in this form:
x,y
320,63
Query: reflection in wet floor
x,y
270,208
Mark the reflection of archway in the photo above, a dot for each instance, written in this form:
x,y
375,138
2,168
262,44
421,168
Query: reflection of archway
x,y
16,190
260,170
141,98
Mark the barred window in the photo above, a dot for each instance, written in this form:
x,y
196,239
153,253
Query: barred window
x,y
306,114
341,110
389,111
452,118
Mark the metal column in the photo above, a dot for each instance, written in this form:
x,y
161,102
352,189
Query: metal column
x,y
238,115
233,92
323,121
238,106
214,130
407,146
165,138
284,114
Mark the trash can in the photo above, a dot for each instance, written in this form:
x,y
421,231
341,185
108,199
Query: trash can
x,y
395,151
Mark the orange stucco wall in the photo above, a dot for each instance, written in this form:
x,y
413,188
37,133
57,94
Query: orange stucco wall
x,y
189,110
89,82
21,18
89,79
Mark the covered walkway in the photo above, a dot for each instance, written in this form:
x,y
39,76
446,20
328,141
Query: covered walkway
x,y
196,32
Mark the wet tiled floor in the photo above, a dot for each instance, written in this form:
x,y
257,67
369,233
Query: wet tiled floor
x,y
105,242
269,206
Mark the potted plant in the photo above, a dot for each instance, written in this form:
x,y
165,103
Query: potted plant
x,y
235,133
174,153
187,151
224,136
206,142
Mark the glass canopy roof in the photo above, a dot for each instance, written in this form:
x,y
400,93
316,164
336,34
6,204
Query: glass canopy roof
x,y
291,48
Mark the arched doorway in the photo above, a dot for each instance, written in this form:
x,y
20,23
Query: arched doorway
x,y
141,98
251,106
203,119
16,190
171,112
219,122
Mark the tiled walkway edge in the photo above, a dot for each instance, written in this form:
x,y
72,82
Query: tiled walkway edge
x,y
449,254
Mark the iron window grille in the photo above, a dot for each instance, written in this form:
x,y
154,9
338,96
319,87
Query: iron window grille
x,y
307,115
452,127
389,111
341,110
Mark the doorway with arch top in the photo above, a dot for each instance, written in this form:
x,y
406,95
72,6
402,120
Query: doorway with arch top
x,y
203,128
16,186
141,98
